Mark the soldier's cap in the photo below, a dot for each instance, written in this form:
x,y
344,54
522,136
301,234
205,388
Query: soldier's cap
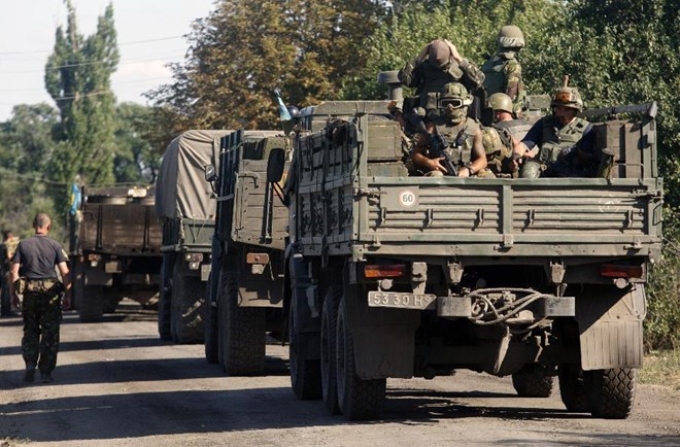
x,y
439,53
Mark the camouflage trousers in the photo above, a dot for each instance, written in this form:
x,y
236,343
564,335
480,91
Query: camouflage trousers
x,y
42,317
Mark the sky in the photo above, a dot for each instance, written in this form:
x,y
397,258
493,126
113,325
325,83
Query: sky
x,y
150,35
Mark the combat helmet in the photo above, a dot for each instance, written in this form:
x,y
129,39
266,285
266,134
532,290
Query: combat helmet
x,y
567,97
454,100
501,101
510,37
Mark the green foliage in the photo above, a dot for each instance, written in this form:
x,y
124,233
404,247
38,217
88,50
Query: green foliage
x,y
135,159
77,76
245,49
662,326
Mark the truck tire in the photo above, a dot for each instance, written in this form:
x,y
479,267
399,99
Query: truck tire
x,y
611,392
164,299
187,302
305,365
532,381
244,341
359,399
92,304
329,322
78,284
573,388
210,325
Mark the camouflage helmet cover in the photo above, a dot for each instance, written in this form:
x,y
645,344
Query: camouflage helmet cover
x,y
567,97
501,101
491,140
510,36
456,90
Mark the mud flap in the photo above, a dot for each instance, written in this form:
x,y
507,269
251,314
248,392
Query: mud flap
x,y
384,339
610,325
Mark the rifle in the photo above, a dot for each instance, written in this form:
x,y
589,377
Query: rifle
x,y
438,143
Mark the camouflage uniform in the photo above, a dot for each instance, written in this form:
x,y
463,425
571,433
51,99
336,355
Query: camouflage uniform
x,y
498,148
42,292
429,75
41,310
7,249
503,72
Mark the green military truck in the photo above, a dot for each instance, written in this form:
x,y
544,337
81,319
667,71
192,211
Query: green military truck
x,y
185,205
246,285
397,276
114,245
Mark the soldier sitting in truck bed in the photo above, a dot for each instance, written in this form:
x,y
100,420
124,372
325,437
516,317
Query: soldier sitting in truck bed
x,y
451,143
560,144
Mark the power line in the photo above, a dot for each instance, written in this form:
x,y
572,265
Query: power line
x,y
58,67
138,81
160,39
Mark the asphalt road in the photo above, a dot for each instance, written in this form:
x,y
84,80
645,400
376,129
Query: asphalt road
x,y
117,384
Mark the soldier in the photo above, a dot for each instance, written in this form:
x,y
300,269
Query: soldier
x,y
502,71
505,117
7,248
459,136
560,144
498,149
34,262
438,64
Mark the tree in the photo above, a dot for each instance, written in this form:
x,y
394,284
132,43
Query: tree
x,y
27,137
135,160
77,76
245,49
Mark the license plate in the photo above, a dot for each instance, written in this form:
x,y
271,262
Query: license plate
x,y
402,300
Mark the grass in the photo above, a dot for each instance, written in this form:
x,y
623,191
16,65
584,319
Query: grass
x,y
662,368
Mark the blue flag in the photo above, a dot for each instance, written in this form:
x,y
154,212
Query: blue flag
x,y
284,114
76,198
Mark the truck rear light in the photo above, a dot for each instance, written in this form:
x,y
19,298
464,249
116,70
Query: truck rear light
x,y
193,257
385,271
621,271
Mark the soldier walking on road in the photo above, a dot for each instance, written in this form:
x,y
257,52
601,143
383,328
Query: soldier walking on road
x,y
33,274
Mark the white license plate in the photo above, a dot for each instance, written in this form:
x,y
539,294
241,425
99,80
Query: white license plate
x,y
402,300
205,272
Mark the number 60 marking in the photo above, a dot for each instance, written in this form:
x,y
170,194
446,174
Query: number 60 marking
x,y
407,198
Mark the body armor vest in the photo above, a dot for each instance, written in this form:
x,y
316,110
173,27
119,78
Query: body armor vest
x,y
460,138
554,140
494,73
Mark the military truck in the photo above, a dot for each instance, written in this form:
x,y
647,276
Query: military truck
x,y
114,245
185,205
246,283
398,277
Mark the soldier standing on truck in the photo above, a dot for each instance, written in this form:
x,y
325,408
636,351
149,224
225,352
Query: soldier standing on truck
x,y
502,71
438,64
33,274
461,135
560,144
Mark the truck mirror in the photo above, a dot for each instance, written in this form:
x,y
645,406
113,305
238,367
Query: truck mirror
x,y
275,164
210,173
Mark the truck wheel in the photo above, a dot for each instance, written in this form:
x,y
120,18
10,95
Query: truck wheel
x,y
111,300
187,302
164,300
329,321
532,381
612,392
78,285
305,366
245,332
359,399
92,304
210,325
573,388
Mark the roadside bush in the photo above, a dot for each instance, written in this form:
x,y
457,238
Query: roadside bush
x,y
662,326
